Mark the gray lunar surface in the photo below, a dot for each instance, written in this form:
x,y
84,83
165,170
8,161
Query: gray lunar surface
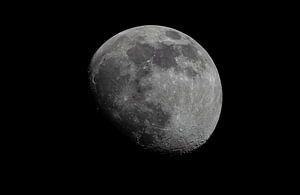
x,y
160,86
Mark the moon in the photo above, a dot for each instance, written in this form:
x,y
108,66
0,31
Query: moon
x,y
159,86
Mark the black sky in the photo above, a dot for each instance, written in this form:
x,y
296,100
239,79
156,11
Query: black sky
x,y
69,135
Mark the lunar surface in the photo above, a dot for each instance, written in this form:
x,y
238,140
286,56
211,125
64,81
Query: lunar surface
x,y
159,86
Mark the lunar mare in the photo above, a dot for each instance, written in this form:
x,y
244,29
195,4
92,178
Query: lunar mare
x,y
160,86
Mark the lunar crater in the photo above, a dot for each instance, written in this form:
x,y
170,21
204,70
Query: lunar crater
x,y
173,34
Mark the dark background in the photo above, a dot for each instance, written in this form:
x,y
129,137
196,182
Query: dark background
x,y
67,136
84,134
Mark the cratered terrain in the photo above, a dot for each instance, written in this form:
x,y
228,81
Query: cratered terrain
x,y
159,86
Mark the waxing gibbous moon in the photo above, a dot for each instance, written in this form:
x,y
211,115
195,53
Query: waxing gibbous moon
x,y
159,86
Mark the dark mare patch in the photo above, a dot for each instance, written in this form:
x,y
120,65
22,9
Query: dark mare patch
x,y
165,56
190,52
108,80
143,71
152,119
154,114
173,34
140,86
159,117
140,53
190,72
